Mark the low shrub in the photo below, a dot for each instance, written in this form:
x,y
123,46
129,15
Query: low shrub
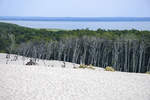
x,y
31,62
83,66
75,67
91,67
87,66
108,68
148,72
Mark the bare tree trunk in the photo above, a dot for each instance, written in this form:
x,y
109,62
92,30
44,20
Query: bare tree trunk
x,y
140,56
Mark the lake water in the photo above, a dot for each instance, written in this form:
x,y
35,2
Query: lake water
x,y
120,25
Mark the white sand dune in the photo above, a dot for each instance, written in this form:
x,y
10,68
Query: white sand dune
x,y
43,82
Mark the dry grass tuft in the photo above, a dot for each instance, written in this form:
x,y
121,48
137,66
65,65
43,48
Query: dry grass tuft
x,y
148,72
108,68
87,66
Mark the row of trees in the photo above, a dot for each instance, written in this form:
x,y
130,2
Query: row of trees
x,y
123,55
126,50
24,35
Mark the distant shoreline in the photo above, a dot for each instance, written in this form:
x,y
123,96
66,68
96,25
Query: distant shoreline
x,y
83,19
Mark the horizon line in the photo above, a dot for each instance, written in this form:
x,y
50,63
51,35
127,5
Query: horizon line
x,y
79,16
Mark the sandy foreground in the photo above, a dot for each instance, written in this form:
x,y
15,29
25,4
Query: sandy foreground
x,y
49,81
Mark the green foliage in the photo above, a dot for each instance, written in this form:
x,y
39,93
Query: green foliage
x,y
100,45
108,68
24,35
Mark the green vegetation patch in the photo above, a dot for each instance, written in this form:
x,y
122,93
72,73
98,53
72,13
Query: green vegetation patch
x,y
119,48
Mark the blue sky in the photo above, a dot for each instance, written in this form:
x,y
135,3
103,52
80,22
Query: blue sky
x,y
75,8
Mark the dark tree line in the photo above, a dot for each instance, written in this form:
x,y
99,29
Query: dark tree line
x,y
122,54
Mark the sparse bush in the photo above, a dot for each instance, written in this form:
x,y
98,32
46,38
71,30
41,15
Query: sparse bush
x,y
75,67
64,64
148,72
108,68
31,62
87,66
91,67
83,66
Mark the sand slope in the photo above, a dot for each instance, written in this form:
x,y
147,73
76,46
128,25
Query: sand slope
x,y
20,82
